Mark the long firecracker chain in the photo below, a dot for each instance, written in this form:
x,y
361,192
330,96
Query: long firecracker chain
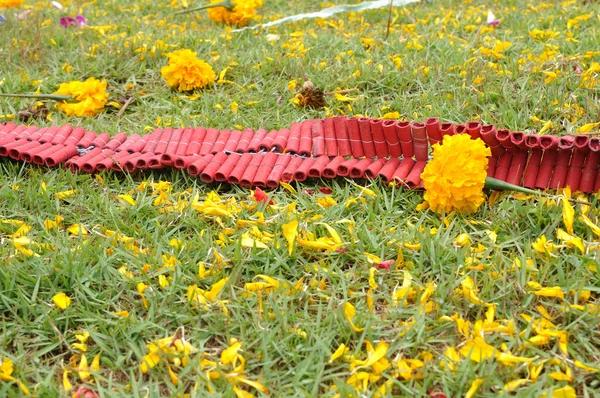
x,y
394,151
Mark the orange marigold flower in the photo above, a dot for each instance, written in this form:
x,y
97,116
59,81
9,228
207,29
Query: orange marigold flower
x,y
90,97
11,3
186,72
242,13
455,177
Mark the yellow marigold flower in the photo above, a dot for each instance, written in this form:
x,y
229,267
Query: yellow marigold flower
x,y
90,97
11,3
186,72
242,12
455,177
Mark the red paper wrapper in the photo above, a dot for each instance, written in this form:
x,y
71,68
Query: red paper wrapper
x,y
566,142
414,177
488,135
120,160
342,136
39,156
372,171
420,141
244,142
391,136
264,170
49,135
256,140
75,164
575,169
290,170
460,129
210,138
502,166
125,146
183,162
518,139
356,144
278,168
317,168
198,165
62,154
406,139
532,141
549,142
403,170
281,140
517,168
589,172
90,165
250,172
186,138
115,141
16,145
546,169
491,168
293,141
582,143
305,148
163,141
448,129
344,168
381,146
532,168
318,138
474,129
331,145
561,168
503,136
267,142
433,129
196,141
208,174
145,160
594,144
220,142
301,173
29,131
236,174
101,140
27,151
227,167
232,142
359,169
174,142
86,140
154,162
364,127
331,170
388,169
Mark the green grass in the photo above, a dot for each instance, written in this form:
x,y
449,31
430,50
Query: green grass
x,y
38,337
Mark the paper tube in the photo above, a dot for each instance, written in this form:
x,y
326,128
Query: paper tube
x,y
546,168
242,146
372,171
503,136
196,141
342,136
473,129
232,142
209,140
582,143
250,172
406,139
331,170
344,168
290,170
448,129
566,142
183,162
517,167
403,170
200,164
594,144
317,168
301,173
86,141
414,177
419,141
359,169
318,138
532,141
293,141
163,141
227,167
561,168
575,168
238,171
267,142
391,136
116,141
388,169
90,165
488,135
589,172
518,139
281,139
62,154
356,143
491,168
221,141
144,161
381,147
305,147
256,140
364,127
532,168
101,140
49,135
331,145
208,174
75,164
186,138
277,171
27,152
264,170
502,166
549,142
174,141
433,129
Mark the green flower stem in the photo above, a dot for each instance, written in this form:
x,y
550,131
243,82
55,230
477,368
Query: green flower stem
x,y
225,3
493,183
54,97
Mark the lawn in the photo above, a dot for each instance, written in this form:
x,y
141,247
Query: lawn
x,y
155,284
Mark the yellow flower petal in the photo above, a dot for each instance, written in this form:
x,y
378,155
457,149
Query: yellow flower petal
x,y
61,300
